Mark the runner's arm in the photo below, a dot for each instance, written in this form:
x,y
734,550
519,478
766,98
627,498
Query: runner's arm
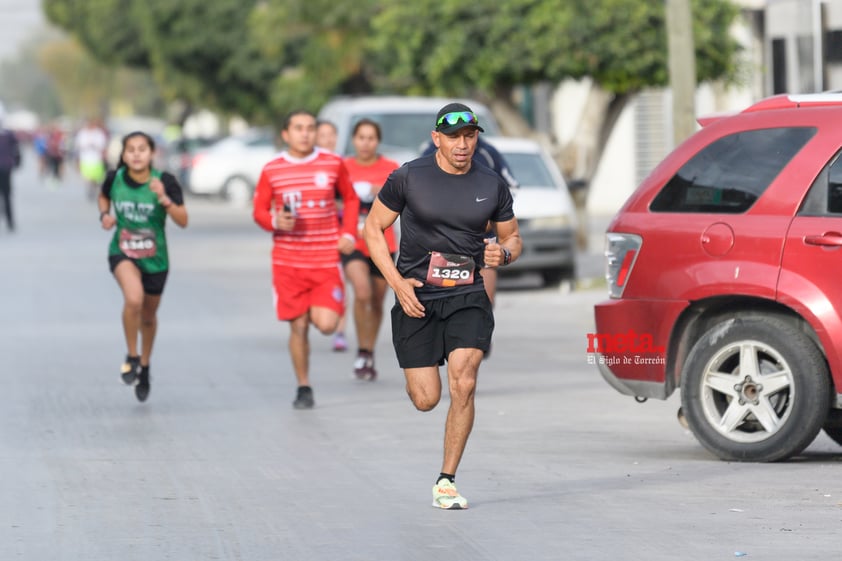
x,y
175,206
379,218
262,209
508,237
350,210
106,220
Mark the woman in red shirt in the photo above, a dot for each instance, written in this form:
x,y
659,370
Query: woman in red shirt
x,y
368,171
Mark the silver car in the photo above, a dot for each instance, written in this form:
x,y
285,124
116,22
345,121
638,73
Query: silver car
x,y
405,121
544,209
230,167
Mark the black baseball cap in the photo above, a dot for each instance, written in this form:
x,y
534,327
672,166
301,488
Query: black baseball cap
x,y
455,116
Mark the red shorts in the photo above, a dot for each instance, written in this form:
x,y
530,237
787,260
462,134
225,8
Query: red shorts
x,y
297,290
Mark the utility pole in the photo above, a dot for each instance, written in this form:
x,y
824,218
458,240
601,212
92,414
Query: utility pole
x,y
682,68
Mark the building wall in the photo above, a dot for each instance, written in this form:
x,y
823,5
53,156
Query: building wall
x,y
793,46
643,134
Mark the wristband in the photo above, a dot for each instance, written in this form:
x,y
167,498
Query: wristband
x,y
349,236
507,255
102,214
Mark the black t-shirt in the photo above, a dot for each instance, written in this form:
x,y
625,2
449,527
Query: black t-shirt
x,y
446,213
171,185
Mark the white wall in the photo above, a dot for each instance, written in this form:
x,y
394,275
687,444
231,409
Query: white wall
x,y
617,175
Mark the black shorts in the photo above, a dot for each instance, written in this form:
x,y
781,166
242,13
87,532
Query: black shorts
x,y
359,255
153,283
463,321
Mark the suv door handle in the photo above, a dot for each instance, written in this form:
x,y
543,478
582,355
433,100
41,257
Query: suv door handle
x,y
833,239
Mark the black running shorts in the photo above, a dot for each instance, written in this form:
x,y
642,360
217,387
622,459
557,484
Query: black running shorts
x,y
454,322
359,255
153,283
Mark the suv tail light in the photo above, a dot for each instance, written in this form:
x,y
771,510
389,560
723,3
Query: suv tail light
x,y
620,255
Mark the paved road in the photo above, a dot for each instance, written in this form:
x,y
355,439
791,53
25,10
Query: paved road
x,y
217,464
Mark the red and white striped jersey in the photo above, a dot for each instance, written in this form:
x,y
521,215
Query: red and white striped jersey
x,y
309,187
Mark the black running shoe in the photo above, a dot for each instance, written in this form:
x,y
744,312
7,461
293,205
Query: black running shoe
x,y
304,399
130,370
141,390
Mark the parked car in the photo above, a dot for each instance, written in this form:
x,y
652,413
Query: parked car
x,y
180,154
230,167
406,121
722,272
544,209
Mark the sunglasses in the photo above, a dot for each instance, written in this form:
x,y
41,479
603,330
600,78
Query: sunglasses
x,y
452,118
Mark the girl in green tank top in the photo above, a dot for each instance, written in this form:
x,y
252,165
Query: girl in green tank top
x,y
142,198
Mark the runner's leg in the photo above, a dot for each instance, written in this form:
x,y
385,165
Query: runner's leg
x,y
357,273
148,326
423,385
299,348
462,368
379,286
128,277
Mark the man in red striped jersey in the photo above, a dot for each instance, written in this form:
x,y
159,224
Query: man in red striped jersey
x,y
295,199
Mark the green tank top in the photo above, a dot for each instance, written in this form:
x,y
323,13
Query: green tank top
x,y
140,224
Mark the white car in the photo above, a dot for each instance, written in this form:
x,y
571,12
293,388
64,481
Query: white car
x,y
544,209
231,166
405,121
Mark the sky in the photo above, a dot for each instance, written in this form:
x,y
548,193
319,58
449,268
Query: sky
x,y
19,19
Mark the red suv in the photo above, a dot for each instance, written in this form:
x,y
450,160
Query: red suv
x,y
725,275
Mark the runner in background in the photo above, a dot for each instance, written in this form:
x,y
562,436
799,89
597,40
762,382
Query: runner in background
x,y
54,152
295,200
90,144
368,171
142,197
9,160
326,137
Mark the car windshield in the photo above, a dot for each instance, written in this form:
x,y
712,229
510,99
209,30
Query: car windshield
x,y
405,131
530,170
238,142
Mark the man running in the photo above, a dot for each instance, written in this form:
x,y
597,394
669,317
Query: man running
x,y
295,199
443,312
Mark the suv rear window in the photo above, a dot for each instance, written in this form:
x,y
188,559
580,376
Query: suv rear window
x,y
729,175
825,196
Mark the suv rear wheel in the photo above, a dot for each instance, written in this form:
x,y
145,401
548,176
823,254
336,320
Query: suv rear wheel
x,y
755,389
833,425
238,191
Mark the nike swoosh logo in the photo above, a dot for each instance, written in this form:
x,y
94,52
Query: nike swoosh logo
x,y
480,200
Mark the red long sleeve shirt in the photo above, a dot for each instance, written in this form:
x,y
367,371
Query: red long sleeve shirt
x,y
309,186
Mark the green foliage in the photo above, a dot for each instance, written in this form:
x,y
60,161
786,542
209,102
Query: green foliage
x,y
621,44
261,58
197,50
105,27
322,46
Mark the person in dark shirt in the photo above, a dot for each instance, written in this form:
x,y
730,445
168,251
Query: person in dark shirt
x,y
445,203
9,160
487,154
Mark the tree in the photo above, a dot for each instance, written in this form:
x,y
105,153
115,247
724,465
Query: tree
x,y
54,76
198,51
323,46
261,58
23,83
485,48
